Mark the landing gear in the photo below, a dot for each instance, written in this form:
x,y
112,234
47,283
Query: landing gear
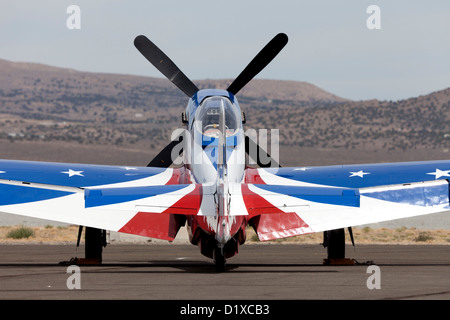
x,y
334,241
219,259
95,240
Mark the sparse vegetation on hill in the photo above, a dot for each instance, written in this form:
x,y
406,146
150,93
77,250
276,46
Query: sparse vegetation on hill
x,y
42,104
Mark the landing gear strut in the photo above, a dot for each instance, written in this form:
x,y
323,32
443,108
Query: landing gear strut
x,y
219,259
334,241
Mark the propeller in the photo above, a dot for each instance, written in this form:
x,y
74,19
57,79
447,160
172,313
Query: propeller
x,y
259,62
166,66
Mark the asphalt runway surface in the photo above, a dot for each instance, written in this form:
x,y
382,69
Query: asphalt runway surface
x,y
259,272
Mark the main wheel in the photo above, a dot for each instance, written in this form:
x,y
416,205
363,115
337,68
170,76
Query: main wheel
x,y
94,243
335,243
219,259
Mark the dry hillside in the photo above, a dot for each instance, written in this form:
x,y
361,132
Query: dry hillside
x,y
49,113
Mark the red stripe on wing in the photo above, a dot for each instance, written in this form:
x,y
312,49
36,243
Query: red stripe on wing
x,y
269,221
166,224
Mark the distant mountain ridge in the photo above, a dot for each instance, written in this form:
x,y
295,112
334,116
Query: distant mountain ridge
x,y
276,90
271,89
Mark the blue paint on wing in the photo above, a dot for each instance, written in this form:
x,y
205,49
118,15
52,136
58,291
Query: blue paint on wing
x,y
424,196
12,194
334,196
53,173
102,197
378,174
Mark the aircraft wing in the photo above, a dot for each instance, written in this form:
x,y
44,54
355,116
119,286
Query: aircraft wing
x,y
116,198
303,200
281,202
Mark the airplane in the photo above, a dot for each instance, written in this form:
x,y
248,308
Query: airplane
x,y
211,178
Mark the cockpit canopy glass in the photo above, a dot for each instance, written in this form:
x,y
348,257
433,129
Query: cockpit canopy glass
x,y
207,117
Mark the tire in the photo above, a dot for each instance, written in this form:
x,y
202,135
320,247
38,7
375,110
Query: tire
x,y
336,244
219,260
93,243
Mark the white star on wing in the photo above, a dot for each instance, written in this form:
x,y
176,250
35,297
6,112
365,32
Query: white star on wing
x,y
73,173
440,173
129,168
360,174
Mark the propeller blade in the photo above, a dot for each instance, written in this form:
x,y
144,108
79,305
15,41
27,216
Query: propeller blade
x,y
262,59
252,147
166,66
164,158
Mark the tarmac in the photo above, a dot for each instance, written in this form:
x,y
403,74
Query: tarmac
x,y
175,279
260,272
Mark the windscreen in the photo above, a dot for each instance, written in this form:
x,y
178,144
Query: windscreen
x,y
207,117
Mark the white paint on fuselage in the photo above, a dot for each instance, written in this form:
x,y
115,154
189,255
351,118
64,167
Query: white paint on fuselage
x,y
204,170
